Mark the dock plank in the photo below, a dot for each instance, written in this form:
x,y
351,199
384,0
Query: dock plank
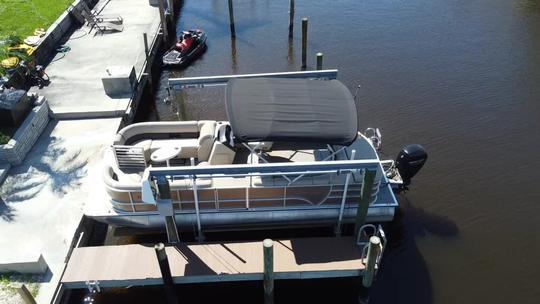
x,y
117,266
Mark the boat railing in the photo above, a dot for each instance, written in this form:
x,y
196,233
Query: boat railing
x,y
304,175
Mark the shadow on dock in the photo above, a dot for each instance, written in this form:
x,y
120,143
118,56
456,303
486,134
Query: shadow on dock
x,y
6,211
49,164
195,265
404,275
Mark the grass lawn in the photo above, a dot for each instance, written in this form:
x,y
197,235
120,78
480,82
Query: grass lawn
x,y
21,17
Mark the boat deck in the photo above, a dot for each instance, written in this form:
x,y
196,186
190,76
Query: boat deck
x,y
125,265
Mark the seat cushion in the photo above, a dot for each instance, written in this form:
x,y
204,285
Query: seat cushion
x,y
205,140
186,184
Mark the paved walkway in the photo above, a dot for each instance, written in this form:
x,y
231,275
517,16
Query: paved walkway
x,y
44,196
76,90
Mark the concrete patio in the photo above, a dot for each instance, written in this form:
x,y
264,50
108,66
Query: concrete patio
x,y
43,197
76,89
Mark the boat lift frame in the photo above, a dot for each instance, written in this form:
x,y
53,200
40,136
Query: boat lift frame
x,y
212,81
160,175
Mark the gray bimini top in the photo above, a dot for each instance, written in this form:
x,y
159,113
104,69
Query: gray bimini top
x,y
291,110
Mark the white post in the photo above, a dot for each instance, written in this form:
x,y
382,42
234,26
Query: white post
x,y
131,201
247,198
198,215
374,249
343,199
167,208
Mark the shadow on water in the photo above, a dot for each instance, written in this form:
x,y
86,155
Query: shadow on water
x,y
530,6
49,164
221,21
404,275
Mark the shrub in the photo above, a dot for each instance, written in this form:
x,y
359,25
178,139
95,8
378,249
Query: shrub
x,y
4,139
5,43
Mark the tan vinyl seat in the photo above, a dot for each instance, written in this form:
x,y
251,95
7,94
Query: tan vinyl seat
x,y
205,140
222,152
187,184
199,147
221,155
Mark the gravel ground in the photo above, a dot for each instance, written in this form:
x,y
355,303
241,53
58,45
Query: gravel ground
x,y
8,282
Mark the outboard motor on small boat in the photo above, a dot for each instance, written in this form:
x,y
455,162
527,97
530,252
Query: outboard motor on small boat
x,y
409,161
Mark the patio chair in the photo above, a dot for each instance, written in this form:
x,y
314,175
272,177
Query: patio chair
x,y
117,19
102,26
102,23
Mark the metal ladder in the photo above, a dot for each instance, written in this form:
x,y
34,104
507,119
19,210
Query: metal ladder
x,y
364,234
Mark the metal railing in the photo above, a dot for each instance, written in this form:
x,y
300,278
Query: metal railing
x,y
336,191
272,172
205,81
364,234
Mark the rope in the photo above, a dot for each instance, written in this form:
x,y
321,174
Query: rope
x,y
63,49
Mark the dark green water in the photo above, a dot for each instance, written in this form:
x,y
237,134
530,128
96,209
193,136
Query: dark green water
x,y
461,78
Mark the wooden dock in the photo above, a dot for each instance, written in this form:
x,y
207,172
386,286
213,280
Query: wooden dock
x,y
125,265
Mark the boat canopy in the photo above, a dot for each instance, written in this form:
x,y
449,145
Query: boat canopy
x,y
291,110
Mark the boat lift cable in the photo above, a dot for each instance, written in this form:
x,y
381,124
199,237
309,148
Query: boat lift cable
x,y
356,92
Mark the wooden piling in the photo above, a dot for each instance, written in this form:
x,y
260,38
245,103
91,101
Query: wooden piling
x,y
234,61
164,23
319,61
304,41
374,249
291,18
231,19
268,276
146,48
170,9
25,294
365,196
170,223
163,261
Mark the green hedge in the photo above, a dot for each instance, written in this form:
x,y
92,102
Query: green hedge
x,y
4,139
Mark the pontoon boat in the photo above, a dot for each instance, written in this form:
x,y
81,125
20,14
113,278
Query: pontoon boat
x,y
290,154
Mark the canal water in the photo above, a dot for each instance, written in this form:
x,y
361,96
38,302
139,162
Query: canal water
x,y
462,78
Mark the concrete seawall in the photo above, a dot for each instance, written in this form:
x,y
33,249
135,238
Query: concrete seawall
x,y
16,149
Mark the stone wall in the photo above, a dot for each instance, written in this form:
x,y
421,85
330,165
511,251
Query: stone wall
x,y
26,136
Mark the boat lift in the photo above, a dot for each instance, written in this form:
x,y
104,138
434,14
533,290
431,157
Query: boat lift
x,y
213,81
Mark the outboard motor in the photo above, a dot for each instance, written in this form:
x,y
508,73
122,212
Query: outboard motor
x,y
409,161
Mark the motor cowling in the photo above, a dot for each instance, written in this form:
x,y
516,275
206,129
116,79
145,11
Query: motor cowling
x,y
409,161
